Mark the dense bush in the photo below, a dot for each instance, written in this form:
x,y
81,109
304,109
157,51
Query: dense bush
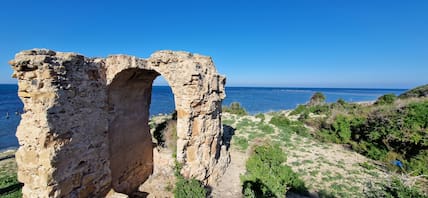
x,y
386,99
235,108
267,176
342,127
421,91
187,187
288,126
419,163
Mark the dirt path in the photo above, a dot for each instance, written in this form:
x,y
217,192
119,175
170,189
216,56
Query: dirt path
x,y
230,184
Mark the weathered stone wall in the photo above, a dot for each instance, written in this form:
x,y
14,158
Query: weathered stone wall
x,y
63,132
84,130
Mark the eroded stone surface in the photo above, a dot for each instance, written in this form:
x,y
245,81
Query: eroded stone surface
x,y
85,131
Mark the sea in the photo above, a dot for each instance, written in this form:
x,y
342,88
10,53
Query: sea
x,y
253,99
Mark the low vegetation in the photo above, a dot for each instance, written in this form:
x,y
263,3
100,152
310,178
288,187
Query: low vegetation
x,y
185,188
421,91
9,184
389,130
386,99
395,188
267,176
235,108
392,129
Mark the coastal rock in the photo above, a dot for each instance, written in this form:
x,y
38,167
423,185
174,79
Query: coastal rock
x,y
85,129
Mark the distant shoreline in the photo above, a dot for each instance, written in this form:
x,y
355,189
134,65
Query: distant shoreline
x,y
4,150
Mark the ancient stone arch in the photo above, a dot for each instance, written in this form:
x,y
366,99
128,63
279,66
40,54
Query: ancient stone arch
x,y
85,127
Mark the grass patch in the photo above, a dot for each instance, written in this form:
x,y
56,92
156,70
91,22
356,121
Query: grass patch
x,y
307,162
314,172
228,122
240,142
9,184
265,128
245,123
367,165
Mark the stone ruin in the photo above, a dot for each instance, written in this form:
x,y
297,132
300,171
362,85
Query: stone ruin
x,y
85,132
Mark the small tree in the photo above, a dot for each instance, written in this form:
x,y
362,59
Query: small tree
x,y
317,99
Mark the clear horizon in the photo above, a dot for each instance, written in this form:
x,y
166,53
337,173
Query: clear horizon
x,y
334,44
162,84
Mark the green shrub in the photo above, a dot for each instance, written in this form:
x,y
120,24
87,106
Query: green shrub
x,y
235,108
265,128
261,116
280,121
298,110
375,152
340,131
421,91
266,175
328,136
342,127
386,99
240,142
419,164
395,189
319,109
288,126
185,188
304,116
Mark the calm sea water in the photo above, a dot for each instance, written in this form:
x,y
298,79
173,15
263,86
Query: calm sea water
x,y
255,100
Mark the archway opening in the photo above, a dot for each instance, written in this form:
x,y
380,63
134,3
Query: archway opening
x,y
163,127
130,141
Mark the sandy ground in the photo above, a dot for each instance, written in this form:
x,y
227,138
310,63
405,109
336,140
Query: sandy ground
x,y
230,184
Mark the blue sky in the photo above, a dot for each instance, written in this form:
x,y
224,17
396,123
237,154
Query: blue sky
x,y
292,43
